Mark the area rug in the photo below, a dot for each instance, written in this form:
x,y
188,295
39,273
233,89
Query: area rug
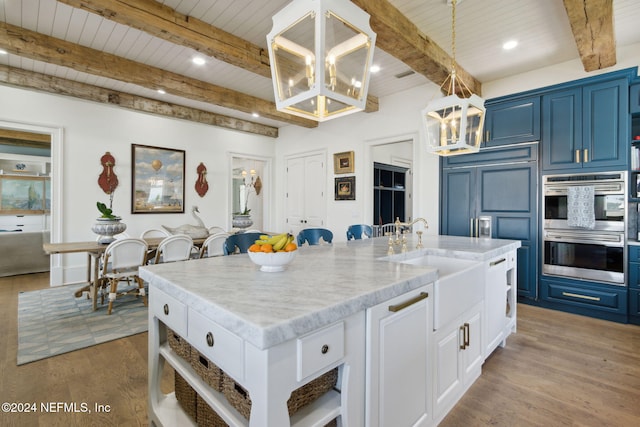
x,y
52,321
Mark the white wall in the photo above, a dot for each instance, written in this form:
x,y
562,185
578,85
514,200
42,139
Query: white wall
x,y
90,129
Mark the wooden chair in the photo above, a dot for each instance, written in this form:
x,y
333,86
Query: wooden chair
x,y
358,231
239,243
312,236
213,245
174,248
121,261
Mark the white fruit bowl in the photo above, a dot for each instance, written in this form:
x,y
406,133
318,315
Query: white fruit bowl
x,y
273,261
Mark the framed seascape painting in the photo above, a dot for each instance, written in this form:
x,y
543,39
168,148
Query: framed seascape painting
x,y
157,179
345,188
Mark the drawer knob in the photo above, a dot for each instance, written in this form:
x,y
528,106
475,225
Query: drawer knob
x,y
325,349
209,339
166,309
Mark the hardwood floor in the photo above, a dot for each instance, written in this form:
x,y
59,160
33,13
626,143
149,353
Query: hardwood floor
x,y
559,369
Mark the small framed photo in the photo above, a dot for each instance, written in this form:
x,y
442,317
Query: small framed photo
x,y
343,162
346,188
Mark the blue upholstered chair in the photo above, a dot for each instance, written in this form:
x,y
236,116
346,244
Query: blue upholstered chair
x,y
240,242
358,231
312,236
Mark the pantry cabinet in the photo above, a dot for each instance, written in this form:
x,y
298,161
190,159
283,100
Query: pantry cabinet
x,y
398,360
586,127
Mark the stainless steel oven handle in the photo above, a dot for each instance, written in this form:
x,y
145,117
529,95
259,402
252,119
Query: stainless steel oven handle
x,y
599,188
584,238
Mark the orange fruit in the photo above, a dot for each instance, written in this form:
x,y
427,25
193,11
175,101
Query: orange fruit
x,y
290,247
254,248
267,247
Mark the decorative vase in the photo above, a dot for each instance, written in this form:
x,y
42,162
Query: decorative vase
x,y
241,221
106,228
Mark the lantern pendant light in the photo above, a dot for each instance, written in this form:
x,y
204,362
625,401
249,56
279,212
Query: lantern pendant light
x,y
454,124
320,53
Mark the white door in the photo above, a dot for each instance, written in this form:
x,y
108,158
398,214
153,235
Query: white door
x,y
305,194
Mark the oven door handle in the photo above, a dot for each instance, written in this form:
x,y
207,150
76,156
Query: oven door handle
x,y
597,238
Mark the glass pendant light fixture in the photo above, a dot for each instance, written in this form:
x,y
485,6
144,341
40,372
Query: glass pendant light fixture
x,y
320,53
454,124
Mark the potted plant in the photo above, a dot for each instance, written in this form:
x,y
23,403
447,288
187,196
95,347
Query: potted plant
x,y
108,224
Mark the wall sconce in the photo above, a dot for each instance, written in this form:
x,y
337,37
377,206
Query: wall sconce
x,y
320,53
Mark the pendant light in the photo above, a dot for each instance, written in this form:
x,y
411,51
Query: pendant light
x,y
320,53
454,124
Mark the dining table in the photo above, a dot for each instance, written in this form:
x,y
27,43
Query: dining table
x,y
94,251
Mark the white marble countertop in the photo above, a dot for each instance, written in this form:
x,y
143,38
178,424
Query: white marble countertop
x,y
322,285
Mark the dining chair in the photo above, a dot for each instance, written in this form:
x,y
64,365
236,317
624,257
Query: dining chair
x,y
176,247
358,231
239,243
215,230
213,245
154,232
312,236
121,261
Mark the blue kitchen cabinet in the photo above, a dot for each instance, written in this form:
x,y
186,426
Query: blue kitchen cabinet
x,y
634,98
507,193
512,121
586,127
634,284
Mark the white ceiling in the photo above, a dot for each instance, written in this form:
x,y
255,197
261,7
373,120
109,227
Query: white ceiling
x,y
482,26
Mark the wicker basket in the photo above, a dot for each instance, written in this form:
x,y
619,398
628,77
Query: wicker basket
x,y
185,395
301,397
207,370
178,344
207,417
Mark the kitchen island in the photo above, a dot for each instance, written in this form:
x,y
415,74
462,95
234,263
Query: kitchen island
x,y
271,333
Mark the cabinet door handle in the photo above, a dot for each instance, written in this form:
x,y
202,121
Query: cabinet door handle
x,y
397,307
585,155
487,136
462,335
500,261
470,227
467,335
571,294
577,156
166,309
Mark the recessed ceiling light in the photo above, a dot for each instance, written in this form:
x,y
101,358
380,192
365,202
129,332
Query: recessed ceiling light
x,y
198,60
255,115
161,91
510,44
375,68
3,52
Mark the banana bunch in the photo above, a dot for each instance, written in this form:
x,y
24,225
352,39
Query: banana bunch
x,y
278,241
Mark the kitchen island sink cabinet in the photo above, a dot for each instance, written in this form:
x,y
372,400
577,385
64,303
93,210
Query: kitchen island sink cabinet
x,y
372,317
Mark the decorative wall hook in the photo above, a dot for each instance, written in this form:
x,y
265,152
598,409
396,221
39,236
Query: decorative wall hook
x,y
108,180
202,186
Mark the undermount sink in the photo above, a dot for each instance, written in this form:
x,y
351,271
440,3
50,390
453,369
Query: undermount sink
x,y
460,285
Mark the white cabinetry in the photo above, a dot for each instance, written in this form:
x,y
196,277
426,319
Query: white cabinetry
x,y
499,301
24,223
398,360
457,359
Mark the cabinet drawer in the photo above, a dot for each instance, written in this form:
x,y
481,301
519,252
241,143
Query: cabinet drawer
x,y
610,300
169,311
634,253
319,350
217,344
26,223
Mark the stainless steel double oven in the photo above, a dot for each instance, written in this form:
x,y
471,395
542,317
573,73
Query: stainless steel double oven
x,y
590,254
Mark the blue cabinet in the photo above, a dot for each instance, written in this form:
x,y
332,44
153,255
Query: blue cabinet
x,y
506,192
634,98
586,127
512,122
634,284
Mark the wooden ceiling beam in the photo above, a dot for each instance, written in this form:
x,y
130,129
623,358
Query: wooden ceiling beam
x,y
592,26
402,39
165,23
29,80
39,47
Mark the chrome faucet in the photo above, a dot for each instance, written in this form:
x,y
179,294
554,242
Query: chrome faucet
x,y
403,240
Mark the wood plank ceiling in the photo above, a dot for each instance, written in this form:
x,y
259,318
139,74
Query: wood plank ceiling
x,y
121,52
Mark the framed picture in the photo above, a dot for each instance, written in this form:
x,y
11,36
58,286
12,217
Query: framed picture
x,y
346,188
343,162
24,195
157,180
